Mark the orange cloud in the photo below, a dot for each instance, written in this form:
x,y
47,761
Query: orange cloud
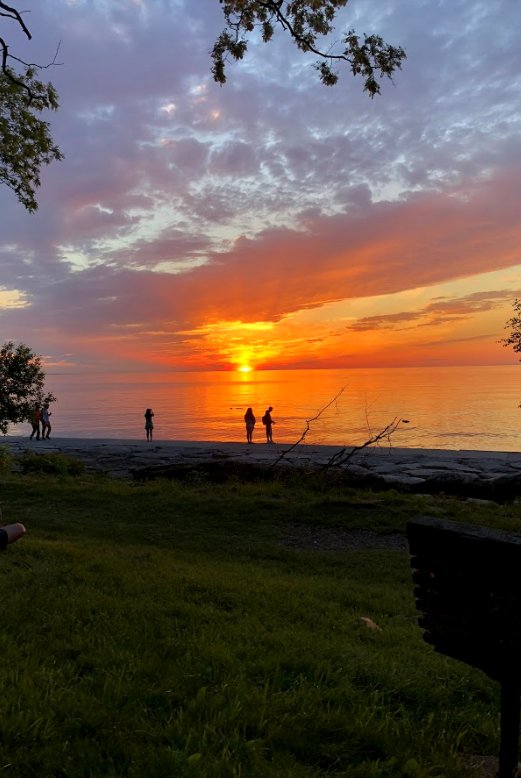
x,y
247,305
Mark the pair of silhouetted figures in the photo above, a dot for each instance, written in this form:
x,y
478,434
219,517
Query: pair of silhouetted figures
x,y
40,420
250,421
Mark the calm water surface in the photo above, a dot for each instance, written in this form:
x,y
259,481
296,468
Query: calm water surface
x,y
452,408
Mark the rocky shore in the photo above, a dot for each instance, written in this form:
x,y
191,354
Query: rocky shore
x,y
488,475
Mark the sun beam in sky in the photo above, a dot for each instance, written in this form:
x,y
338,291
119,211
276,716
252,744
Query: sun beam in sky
x,y
273,223
236,345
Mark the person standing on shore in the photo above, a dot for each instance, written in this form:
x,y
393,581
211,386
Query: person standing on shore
x,y
46,423
35,422
149,424
249,420
268,422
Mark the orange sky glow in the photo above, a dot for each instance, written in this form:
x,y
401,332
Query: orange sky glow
x,y
272,223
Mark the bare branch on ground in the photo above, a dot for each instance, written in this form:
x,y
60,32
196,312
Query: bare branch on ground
x,y
307,428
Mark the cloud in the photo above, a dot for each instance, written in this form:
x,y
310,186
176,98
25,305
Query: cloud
x,y
438,312
181,205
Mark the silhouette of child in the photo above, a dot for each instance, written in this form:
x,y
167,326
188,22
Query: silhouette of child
x,y
149,424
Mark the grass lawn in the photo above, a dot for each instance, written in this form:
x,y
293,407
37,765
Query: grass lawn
x,y
168,629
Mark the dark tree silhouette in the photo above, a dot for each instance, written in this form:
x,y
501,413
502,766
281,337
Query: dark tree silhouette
x,y
306,22
514,325
25,139
21,384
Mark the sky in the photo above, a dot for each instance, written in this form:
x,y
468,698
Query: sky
x,y
272,222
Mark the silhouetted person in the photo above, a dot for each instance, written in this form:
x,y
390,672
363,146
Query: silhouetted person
x,y
46,423
35,423
249,420
268,422
149,424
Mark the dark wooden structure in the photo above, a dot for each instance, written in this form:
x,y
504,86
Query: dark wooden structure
x,y
468,589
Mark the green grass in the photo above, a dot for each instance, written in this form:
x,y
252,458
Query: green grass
x,y
167,630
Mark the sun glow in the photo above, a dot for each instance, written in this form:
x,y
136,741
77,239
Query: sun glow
x,y
238,346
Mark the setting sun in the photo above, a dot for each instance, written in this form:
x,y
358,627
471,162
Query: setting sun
x,y
245,369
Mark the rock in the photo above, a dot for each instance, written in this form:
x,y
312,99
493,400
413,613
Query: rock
x,y
503,488
479,475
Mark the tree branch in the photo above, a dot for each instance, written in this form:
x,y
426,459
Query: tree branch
x,y
305,22
305,43
343,456
307,428
11,13
346,453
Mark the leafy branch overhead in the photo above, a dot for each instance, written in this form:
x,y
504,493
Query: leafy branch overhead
x,y
25,139
26,143
306,21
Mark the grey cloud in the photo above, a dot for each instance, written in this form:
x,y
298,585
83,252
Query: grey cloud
x,y
273,156
441,310
236,158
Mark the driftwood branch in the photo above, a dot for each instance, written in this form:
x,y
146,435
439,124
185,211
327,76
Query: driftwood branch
x,y
343,456
307,428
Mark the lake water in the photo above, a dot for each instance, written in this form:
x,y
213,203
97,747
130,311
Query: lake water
x,y
450,407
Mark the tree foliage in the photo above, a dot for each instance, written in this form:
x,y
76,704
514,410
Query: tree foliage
x,y
305,21
21,384
25,138
514,325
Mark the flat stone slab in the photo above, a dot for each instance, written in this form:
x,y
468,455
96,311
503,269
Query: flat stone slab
x,y
477,474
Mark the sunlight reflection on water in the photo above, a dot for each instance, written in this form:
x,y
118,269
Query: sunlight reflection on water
x,y
453,408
